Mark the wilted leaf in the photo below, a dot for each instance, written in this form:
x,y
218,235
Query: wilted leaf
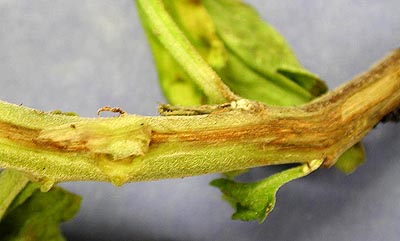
x,y
254,201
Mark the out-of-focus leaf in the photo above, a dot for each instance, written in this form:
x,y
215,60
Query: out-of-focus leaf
x,y
28,214
38,217
27,192
11,184
393,116
351,159
232,174
254,201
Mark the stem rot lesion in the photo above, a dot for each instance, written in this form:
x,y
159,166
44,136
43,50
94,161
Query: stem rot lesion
x,y
188,141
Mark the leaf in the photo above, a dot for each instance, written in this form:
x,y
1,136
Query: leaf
x,y
36,215
232,174
351,159
28,214
11,184
212,28
252,85
254,201
26,193
260,47
393,116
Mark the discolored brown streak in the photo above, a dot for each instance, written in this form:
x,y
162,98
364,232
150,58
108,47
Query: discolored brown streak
x,y
389,65
18,133
328,126
30,138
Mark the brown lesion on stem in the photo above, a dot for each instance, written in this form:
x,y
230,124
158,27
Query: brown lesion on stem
x,y
323,129
29,137
330,124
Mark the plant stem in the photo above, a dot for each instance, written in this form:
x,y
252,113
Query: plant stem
x,y
169,35
240,134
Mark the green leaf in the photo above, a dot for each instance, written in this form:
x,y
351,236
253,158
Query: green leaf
x,y
351,159
260,66
260,47
232,174
11,184
254,201
38,214
26,193
252,85
26,213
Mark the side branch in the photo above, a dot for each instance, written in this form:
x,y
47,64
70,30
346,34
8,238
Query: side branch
x,y
236,135
171,37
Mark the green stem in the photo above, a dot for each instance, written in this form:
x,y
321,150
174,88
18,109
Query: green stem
x,y
241,134
172,38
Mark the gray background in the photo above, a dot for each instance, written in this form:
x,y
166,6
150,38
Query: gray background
x,y
81,55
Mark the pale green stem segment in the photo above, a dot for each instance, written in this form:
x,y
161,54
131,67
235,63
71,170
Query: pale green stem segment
x,y
56,148
241,134
168,33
